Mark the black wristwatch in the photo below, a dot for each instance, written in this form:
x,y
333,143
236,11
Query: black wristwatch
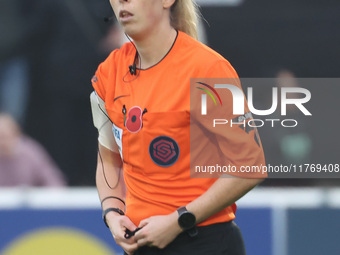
x,y
186,219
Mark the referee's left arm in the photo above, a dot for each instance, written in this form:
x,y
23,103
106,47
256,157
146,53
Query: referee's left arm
x,y
223,193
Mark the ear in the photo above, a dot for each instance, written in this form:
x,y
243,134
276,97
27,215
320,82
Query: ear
x,y
168,3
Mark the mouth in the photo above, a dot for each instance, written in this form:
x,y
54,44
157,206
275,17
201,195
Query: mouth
x,y
125,15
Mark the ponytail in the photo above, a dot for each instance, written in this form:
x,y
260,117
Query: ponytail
x,y
184,17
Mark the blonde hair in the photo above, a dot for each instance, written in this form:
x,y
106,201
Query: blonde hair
x,y
184,15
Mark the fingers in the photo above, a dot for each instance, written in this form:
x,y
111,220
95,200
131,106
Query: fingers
x,y
142,237
119,226
143,242
128,245
157,231
129,249
144,223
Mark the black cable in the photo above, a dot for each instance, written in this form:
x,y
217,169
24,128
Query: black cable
x,y
100,156
134,60
107,183
112,197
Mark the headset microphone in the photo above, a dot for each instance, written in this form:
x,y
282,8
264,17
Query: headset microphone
x,y
132,69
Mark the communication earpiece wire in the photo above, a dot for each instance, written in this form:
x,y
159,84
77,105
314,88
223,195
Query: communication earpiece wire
x,y
100,156
140,62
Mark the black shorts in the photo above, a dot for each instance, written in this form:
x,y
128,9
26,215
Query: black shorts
x,y
216,239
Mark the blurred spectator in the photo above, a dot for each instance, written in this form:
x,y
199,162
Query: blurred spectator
x,y
285,145
64,57
23,162
15,29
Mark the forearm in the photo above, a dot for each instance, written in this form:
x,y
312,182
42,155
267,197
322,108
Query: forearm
x,y
111,185
116,189
109,179
223,193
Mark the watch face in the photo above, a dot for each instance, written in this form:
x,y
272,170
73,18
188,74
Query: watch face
x,y
187,220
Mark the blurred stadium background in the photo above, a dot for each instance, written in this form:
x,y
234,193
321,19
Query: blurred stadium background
x,y
274,221
58,44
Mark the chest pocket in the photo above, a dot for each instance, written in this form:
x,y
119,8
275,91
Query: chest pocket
x,y
162,144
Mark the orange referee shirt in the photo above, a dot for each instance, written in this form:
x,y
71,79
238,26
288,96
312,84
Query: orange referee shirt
x,y
151,116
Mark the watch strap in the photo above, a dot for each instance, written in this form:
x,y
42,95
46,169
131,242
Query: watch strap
x,y
181,210
192,232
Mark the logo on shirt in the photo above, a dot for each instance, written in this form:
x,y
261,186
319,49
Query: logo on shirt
x,y
164,151
134,120
94,79
118,135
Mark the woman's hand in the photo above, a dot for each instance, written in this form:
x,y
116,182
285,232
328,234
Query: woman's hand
x,y
158,231
118,225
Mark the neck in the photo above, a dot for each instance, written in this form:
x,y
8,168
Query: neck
x,y
154,47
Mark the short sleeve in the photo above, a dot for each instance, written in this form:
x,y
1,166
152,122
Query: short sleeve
x,y
104,74
220,137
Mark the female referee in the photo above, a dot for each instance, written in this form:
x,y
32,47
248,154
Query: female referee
x,y
141,105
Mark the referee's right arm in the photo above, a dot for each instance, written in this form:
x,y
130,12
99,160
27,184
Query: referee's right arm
x,y
111,190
